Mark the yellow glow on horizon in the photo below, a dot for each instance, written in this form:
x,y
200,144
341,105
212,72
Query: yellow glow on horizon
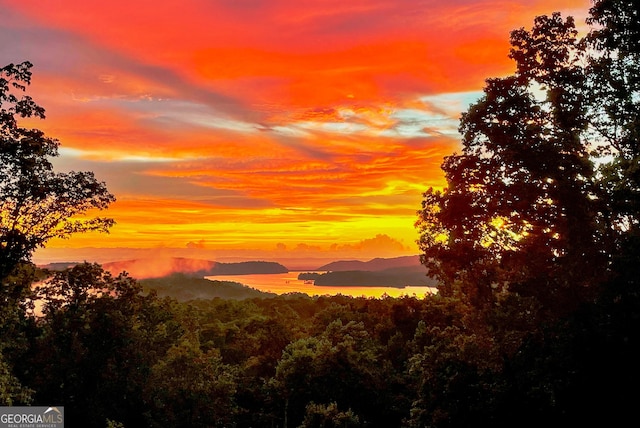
x,y
211,125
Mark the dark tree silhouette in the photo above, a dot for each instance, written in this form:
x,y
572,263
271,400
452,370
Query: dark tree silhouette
x,y
36,203
520,206
615,100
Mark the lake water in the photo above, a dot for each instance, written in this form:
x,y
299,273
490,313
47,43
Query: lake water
x,y
282,283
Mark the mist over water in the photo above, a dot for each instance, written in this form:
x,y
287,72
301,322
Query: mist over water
x,y
158,267
283,283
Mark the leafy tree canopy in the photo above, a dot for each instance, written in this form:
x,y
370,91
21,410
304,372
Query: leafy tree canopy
x,y
547,184
37,203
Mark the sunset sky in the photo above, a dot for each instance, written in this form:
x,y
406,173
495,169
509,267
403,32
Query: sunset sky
x,y
285,127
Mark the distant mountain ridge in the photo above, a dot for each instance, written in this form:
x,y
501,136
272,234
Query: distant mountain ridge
x,y
374,265
394,272
57,266
395,277
157,268
397,272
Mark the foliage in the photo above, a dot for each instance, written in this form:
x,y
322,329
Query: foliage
x,y
36,203
519,207
186,287
143,361
190,388
536,236
11,390
15,303
614,98
97,339
341,365
320,416
547,184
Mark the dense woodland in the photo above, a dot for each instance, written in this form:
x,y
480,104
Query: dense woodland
x,y
535,244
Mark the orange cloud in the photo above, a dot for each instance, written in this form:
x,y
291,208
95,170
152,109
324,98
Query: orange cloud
x,y
381,244
227,124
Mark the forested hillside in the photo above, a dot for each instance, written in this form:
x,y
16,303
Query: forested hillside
x,y
187,287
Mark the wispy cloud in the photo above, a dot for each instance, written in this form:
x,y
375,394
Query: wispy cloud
x,y
248,120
